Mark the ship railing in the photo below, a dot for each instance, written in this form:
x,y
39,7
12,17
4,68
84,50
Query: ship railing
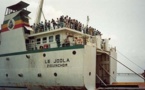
x,y
35,46
83,30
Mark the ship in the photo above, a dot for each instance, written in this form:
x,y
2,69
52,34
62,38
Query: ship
x,y
59,59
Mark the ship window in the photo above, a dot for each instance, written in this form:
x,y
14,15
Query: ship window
x,y
57,38
27,41
32,41
44,40
38,41
50,38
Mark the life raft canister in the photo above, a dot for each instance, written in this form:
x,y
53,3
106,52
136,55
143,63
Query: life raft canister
x,y
79,41
46,46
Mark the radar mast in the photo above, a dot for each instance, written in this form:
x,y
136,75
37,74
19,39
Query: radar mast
x,y
38,17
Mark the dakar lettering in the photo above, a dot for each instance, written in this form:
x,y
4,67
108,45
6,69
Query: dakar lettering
x,y
56,65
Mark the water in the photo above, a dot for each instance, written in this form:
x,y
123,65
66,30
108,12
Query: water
x,y
129,78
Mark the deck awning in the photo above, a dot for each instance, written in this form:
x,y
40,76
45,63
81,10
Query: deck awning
x,y
29,28
18,6
25,12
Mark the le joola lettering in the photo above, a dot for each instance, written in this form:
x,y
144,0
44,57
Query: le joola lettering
x,y
57,63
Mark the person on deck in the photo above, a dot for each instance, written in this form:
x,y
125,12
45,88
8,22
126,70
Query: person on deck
x,y
62,21
53,23
48,25
58,22
45,25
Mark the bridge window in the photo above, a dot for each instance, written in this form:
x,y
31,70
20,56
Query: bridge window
x,y
38,41
50,38
45,40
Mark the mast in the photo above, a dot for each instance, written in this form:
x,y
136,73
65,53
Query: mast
x,y
38,17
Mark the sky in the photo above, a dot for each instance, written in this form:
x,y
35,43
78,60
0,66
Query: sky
x,y
121,20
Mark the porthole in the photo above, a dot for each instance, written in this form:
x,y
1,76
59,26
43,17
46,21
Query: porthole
x,y
7,75
7,59
44,55
20,75
55,74
74,52
28,56
89,73
39,75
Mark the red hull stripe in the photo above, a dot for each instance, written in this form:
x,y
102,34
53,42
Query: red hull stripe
x,y
15,27
4,30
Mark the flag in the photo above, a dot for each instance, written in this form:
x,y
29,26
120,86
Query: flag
x,y
27,17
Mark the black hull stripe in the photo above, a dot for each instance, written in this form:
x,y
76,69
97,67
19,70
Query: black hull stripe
x,y
14,87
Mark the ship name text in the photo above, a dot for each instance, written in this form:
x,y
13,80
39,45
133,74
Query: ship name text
x,y
57,62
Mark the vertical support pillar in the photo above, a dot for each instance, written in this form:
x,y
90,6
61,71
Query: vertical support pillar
x,y
38,18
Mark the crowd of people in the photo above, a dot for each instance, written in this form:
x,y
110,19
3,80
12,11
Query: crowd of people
x,y
64,21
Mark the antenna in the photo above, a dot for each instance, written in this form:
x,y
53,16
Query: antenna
x,y
38,18
88,19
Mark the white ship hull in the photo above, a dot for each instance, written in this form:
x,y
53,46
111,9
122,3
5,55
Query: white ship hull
x,y
68,66
60,59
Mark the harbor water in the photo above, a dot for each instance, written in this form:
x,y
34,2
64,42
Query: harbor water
x,y
128,78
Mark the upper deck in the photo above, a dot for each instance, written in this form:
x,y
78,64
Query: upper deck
x,y
60,37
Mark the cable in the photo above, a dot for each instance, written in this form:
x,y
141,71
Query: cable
x,y
130,60
127,67
101,80
107,72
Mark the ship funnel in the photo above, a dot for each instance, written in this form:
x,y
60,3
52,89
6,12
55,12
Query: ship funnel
x,y
98,41
106,44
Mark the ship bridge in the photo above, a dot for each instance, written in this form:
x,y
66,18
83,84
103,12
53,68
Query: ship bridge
x,y
16,16
16,7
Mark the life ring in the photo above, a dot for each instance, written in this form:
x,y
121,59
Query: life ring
x,y
46,46
41,47
69,35
79,41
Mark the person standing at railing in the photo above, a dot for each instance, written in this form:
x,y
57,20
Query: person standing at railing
x,y
41,26
45,25
37,28
69,22
83,28
76,24
48,25
53,23
34,27
58,23
65,21
62,21
86,29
